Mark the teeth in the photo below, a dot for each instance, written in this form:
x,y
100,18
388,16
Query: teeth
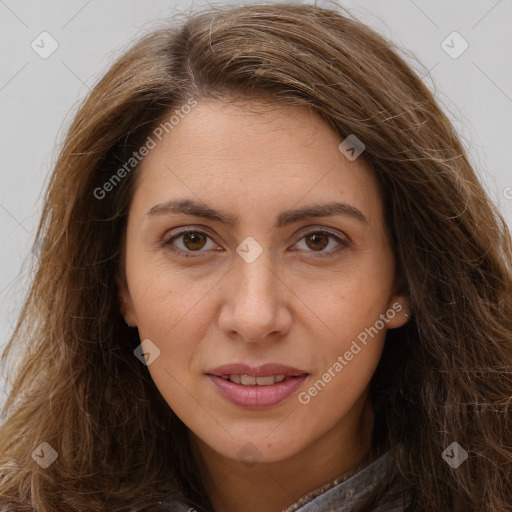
x,y
249,380
246,380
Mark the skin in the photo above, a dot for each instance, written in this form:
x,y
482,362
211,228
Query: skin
x,y
255,159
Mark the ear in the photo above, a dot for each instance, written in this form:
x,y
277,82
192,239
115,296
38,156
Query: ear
x,y
399,311
125,301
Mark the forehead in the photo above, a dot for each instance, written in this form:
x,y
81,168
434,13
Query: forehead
x,y
252,152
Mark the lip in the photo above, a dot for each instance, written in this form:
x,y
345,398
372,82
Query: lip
x,y
264,370
257,397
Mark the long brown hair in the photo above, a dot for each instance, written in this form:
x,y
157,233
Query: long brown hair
x,y
444,377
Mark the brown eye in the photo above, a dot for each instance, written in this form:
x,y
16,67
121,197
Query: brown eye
x,y
317,241
189,242
194,240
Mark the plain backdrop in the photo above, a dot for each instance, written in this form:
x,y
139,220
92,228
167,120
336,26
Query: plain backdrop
x,y
470,73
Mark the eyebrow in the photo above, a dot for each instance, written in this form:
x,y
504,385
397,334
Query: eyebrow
x,y
189,207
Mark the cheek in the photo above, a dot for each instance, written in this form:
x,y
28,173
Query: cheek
x,y
167,300
347,360
174,312
176,323
348,302
346,320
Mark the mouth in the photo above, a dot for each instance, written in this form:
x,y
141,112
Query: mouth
x,y
256,388
251,380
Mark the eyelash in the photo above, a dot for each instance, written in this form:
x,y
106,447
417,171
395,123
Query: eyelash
x,y
167,243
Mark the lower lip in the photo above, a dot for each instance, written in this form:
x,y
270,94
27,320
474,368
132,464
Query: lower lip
x,y
257,397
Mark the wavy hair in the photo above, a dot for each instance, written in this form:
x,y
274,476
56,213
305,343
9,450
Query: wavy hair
x,y
444,377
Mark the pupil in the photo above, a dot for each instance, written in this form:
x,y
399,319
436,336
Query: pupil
x,y
194,237
316,237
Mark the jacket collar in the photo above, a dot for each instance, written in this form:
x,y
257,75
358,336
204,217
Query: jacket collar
x,y
343,494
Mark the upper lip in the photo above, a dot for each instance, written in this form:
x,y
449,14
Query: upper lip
x,y
264,370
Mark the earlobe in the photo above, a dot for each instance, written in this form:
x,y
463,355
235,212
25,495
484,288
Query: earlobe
x,y
399,312
125,303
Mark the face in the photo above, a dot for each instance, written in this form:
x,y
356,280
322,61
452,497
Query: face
x,y
253,240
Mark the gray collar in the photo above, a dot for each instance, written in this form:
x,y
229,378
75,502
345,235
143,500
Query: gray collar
x,y
344,496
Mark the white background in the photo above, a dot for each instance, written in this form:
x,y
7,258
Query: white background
x,y
38,96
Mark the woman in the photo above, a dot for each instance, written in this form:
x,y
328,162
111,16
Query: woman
x,y
269,280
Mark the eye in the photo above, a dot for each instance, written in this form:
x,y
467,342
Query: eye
x,y
192,241
318,240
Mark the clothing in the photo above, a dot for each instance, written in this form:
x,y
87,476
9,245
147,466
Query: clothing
x,y
345,495
338,496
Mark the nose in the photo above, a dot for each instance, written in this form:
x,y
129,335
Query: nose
x,y
255,305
